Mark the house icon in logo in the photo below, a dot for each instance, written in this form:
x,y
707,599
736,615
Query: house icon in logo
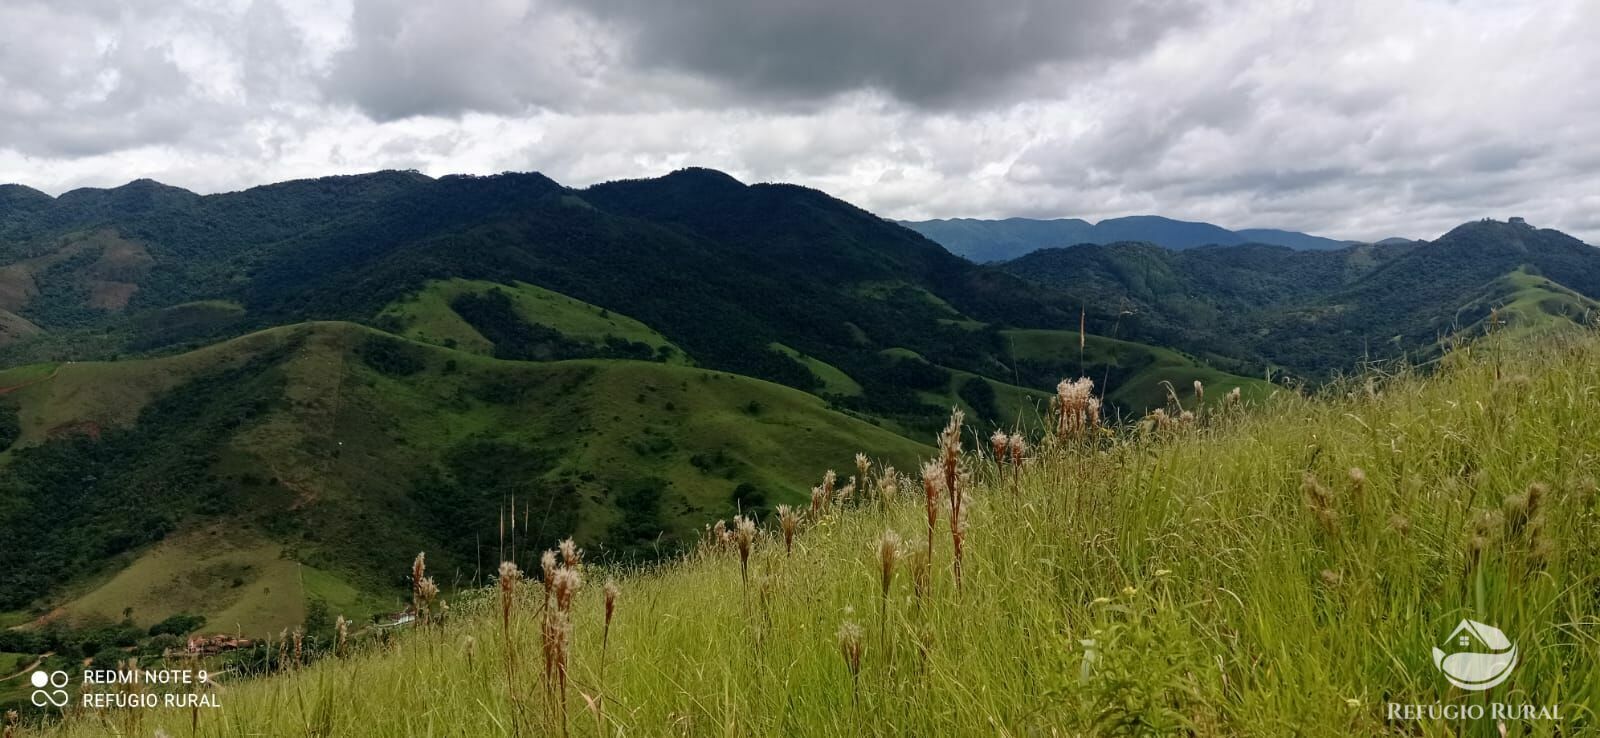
x,y
1481,656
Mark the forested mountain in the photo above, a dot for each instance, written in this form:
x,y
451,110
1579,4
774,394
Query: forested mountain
x,y
338,371
1313,311
985,241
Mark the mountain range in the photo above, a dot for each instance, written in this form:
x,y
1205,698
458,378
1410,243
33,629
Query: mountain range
x,y
985,241
245,404
210,400
1312,312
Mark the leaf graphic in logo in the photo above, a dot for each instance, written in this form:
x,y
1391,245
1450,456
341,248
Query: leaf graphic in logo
x,y
1477,670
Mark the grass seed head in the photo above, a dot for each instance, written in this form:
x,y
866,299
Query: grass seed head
x,y
789,521
1001,443
611,591
888,556
849,638
744,537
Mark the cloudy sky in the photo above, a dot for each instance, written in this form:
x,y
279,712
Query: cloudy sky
x,y
1356,119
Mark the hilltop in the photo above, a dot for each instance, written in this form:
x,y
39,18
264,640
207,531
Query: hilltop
x,y
1285,568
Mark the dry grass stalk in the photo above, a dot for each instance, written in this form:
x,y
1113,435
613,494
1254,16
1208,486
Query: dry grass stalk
x,y
1320,501
341,629
556,628
12,719
849,637
888,488
888,556
788,520
932,479
1077,409
745,539
863,468
418,573
950,466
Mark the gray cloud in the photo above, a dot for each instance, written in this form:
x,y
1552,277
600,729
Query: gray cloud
x,y
1361,119
933,52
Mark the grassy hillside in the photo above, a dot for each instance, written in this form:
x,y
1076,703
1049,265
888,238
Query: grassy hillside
x,y
428,316
1283,569
1316,313
1143,377
329,447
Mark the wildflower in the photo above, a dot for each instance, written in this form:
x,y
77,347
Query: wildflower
x,y
1018,446
863,467
1001,442
1331,578
1399,524
1199,393
788,521
1130,591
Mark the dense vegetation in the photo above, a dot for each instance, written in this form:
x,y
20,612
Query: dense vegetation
x,y
1314,312
1281,569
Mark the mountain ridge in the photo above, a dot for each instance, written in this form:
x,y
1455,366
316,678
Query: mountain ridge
x,y
986,241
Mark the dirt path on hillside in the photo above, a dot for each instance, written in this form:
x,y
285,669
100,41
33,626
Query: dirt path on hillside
x,y
41,380
29,667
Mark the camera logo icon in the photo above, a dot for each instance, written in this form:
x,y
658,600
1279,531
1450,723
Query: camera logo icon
x,y
49,688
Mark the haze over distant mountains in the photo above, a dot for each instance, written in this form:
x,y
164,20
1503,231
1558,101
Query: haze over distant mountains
x,y
986,241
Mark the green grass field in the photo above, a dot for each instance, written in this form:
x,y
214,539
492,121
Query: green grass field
x,y
1155,368
428,317
1283,568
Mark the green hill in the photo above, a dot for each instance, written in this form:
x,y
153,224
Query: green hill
x,y
337,446
1317,313
1287,569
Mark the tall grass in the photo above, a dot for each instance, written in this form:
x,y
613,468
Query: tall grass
x,y
1267,571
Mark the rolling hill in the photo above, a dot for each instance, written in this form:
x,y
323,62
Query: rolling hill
x,y
240,403
335,446
1312,312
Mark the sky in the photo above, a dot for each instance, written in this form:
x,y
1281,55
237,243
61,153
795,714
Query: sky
x,y
1356,119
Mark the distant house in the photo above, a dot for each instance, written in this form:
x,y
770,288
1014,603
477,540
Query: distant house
x,y
213,645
